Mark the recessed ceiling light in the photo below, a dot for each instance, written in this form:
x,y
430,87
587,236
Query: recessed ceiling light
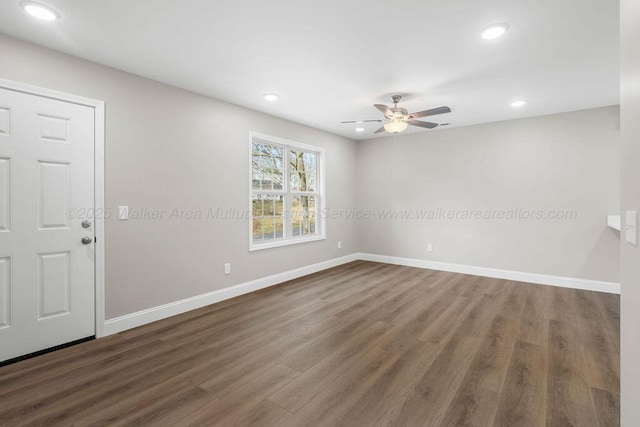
x,y
271,97
519,103
494,31
360,129
40,11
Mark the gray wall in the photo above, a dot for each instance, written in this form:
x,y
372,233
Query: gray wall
x,y
630,298
560,162
166,148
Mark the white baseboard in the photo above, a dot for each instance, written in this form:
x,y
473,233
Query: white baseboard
x,y
129,321
539,279
139,318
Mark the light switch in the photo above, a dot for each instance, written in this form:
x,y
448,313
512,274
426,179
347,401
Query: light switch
x,y
631,227
123,213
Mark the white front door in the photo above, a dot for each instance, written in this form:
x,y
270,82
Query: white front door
x,y
46,192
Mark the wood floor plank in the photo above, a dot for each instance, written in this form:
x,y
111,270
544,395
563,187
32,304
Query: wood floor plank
x,y
609,306
429,398
302,390
104,390
607,406
330,406
387,396
478,396
240,405
569,395
362,344
30,400
600,353
565,413
160,409
63,362
329,341
533,325
522,399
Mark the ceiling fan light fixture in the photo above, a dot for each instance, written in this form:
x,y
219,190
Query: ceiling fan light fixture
x,y
395,126
39,10
359,129
494,31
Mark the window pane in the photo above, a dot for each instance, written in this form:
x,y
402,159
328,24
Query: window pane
x,y
303,215
256,170
277,172
268,223
256,176
312,215
278,227
268,207
267,167
302,167
273,168
257,206
294,181
309,160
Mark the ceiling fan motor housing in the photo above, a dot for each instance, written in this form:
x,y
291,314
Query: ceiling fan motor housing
x,y
399,113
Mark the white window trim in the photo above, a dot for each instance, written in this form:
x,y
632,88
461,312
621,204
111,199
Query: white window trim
x,y
320,203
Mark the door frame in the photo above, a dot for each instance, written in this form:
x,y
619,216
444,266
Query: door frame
x,y
99,193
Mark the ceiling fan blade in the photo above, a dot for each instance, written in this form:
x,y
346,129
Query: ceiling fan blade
x,y
362,121
380,130
431,112
427,125
385,110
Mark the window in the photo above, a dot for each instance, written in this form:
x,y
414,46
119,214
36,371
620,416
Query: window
x,y
287,192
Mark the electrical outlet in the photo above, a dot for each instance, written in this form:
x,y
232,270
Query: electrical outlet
x,y
339,244
429,247
227,268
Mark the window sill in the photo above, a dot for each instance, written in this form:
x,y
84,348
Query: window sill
x,y
289,242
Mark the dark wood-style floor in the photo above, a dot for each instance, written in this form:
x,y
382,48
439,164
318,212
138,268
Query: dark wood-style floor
x,y
364,344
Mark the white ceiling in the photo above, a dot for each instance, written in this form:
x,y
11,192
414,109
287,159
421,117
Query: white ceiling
x,y
330,60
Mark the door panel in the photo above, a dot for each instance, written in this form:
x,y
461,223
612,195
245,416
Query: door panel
x,y
53,195
46,272
5,121
5,292
5,194
54,129
54,285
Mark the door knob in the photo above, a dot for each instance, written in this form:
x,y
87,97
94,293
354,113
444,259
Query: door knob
x,y
86,240
86,224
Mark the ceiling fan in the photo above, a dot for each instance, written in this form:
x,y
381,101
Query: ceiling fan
x,y
397,119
